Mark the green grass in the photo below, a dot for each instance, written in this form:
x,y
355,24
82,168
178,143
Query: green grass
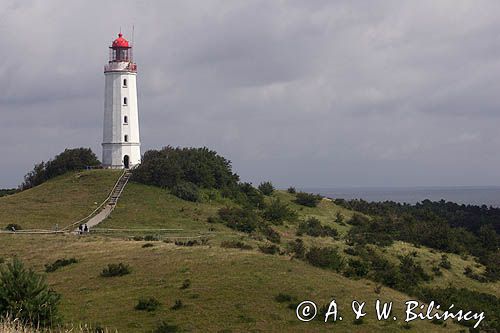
x,y
230,289
60,201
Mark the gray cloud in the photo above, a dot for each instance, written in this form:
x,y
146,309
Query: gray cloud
x,y
309,93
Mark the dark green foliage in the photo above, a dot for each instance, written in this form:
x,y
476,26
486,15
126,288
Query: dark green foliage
x,y
445,263
144,246
358,220
186,284
69,160
358,321
339,218
445,226
266,188
235,245
277,211
411,273
437,271
150,238
241,219
271,234
59,263
307,199
191,242
298,248
291,190
177,305
269,249
249,196
325,257
356,268
283,298
148,304
7,191
26,296
170,166
313,227
13,227
165,327
186,191
115,270
364,231
468,300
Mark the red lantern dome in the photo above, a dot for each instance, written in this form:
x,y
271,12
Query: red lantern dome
x,y
120,42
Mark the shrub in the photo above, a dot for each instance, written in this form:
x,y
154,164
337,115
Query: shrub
x,y
144,246
437,271
115,270
277,212
235,245
325,257
250,196
177,305
445,263
269,249
147,304
69,160
357,268
291,190
186,284
186,191
411,273
266,188
271,234
241,219
59,263
192,242
150,238
358,220
282,298
26,296
312,227
165,327
339,218
307,199
298,248
13,227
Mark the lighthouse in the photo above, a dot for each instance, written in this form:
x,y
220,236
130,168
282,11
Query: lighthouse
x,y
121,143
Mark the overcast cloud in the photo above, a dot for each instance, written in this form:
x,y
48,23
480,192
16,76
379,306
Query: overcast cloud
x,y
304,93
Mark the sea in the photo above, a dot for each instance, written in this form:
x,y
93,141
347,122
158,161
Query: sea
x,y
473,195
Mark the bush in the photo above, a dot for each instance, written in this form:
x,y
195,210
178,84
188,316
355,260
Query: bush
x,y
325,257
177,305
271,234
282,298
277,212
186,284
358,220
291,190
307,199
170,166
269,249
235,245
357,268
192,242
312,227
186,191
165,327
13,227
445,263
59,263
266,188
148,304
115,270
69,160
249,196
241,219
297,248
339,218
150,238
26,296
144,246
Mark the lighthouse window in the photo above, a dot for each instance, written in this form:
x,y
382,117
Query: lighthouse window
x,y
125,138
125,120
125,100
124,82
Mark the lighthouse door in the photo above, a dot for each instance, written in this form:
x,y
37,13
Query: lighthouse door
x,y
126,161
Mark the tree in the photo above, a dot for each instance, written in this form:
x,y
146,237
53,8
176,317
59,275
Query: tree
x,y
266,188
25,295
307,199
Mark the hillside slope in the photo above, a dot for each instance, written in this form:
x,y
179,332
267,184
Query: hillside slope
x,y
60,201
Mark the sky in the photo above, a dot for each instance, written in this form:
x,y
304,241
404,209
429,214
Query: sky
x,y
312,93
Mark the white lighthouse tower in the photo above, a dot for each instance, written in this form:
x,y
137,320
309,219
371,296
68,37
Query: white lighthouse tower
x,y
121,144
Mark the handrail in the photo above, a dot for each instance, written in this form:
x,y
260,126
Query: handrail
x,y
100,206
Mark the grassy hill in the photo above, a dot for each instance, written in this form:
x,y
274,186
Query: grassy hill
x,y
230,290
